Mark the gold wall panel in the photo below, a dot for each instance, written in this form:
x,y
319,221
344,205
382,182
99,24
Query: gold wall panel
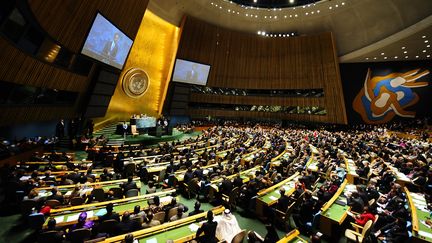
x,y
154,51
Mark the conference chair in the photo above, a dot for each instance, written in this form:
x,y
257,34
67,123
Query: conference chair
x,y
36,220
191,188
238,238
98,195
80,235
53,203
27,206
159,216
132,193
77,201
283,218
360,233
109,227
129,170
134,130
49,237
117,192
172,212
231,199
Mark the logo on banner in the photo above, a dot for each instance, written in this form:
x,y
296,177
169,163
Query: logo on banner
x,y
384,97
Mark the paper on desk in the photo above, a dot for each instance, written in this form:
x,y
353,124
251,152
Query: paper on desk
x,y
73,217
425,234
273,198
193,227
152,240
424,222
101,212
89,214
68,193
59,219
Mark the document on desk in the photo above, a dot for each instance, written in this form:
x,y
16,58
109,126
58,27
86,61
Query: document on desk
x,y
101,212
59,219
152,240
73,217
273,198
194,227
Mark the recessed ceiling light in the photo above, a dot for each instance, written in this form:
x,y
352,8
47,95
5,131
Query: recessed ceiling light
x,y
423,36
396,57
405,52
343,3
375,58
382,53
424,51
428,46
426,41
307,13
428,56
255,1
330,7
285,16
385,57
259,32
406,56
417,56
367,58
403,47
318,11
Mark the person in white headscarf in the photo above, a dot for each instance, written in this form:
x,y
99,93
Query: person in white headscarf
x,y
227,226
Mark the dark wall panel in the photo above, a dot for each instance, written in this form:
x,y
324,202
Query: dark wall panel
x,y
248,61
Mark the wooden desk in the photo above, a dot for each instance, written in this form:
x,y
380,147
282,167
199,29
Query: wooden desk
x,y
419,214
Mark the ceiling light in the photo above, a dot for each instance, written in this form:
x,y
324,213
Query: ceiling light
x,y
405,52
330,7
382,53
307,13
375,58
403,47
428,46
343,3
423,36
255,1
318,11
396,57
417,56
385,57
406,56
424,51
426,41
291,1
285,16
259,32
428,56
337,6
367,58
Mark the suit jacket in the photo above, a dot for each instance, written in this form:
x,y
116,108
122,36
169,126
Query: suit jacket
x,y
209,230
107,216
107,50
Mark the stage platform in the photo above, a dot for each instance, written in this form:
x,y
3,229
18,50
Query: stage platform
x,y
116,139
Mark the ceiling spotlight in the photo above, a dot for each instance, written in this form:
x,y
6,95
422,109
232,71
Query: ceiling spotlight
x,y
403,47
385,57
405,52
291,1
424,51
423,36
343,3
255,1
406,56
417,56
259,32
330,7
337,6
396,57
428,46
367,58
375,58
428,56
382,53
426,41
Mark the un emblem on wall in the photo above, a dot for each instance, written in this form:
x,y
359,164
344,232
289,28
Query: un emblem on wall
x,y
135,82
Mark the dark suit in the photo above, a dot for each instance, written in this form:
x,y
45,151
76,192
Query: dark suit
x,y
283,203
209,230
129,226
107,216
110,52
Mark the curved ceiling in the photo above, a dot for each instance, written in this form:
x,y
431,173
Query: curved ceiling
x,y
358,25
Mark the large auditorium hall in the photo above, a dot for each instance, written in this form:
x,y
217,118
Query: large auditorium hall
x,y
215,121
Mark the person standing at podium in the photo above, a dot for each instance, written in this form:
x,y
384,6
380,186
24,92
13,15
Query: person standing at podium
x,y
125,127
